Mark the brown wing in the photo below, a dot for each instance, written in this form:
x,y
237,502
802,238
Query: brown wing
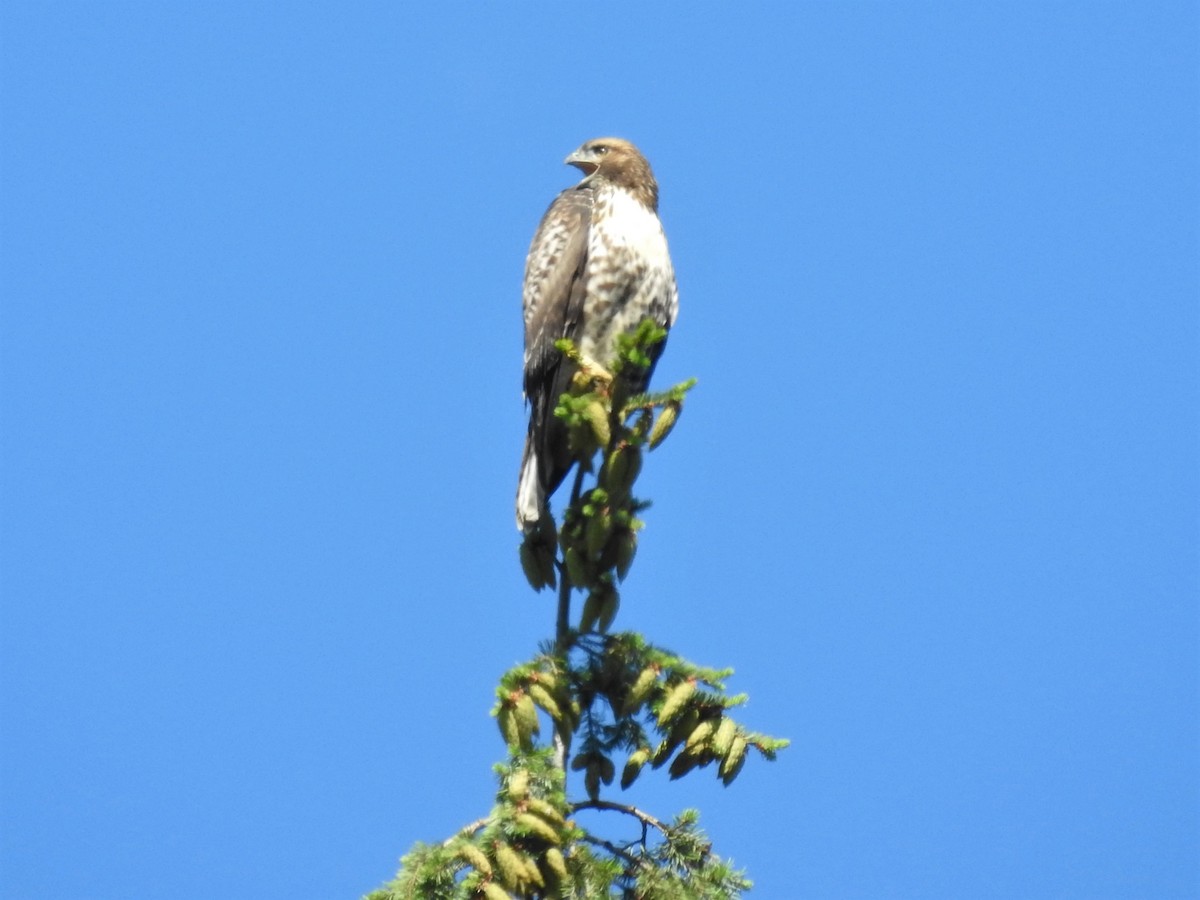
x,y
555,286
554,283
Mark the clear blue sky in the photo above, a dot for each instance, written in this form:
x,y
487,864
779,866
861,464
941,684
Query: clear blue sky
x,y
935,497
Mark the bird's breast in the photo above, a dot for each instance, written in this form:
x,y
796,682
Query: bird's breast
x,y
629,275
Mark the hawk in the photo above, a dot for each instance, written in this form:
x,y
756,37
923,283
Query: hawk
x,y
597,267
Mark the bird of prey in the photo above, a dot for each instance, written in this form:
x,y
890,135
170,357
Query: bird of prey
x,y
597,267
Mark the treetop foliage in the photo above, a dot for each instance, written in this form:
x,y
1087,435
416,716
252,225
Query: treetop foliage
x,y
609,699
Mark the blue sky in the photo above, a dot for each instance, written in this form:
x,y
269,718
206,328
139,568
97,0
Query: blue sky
x,y
935,497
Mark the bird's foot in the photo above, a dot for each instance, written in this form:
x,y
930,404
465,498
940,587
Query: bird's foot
x,y
594,372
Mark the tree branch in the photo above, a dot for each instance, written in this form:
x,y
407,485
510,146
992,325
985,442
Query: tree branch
x,y
644,818
467,830
612,848
562,629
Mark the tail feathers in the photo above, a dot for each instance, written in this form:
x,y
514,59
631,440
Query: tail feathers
x,y
531,497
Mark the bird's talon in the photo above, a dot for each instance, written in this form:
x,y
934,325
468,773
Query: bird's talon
x,y
593,370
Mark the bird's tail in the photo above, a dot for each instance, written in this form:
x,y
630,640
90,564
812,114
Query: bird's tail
x,y
531,496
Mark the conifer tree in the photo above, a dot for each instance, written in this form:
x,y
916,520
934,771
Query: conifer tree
x,y
614,704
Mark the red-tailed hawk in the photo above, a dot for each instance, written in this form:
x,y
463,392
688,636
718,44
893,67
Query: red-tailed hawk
x,y
597,267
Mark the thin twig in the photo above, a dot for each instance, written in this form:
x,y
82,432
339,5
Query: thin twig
x,y
613,849
643,817
562,631
467,830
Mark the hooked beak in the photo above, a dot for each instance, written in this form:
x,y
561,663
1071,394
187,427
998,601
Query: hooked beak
x,y
583,160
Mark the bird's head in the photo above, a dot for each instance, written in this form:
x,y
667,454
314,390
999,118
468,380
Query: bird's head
x,y
618,161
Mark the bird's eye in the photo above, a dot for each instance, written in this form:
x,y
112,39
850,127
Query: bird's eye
x,y
601,150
